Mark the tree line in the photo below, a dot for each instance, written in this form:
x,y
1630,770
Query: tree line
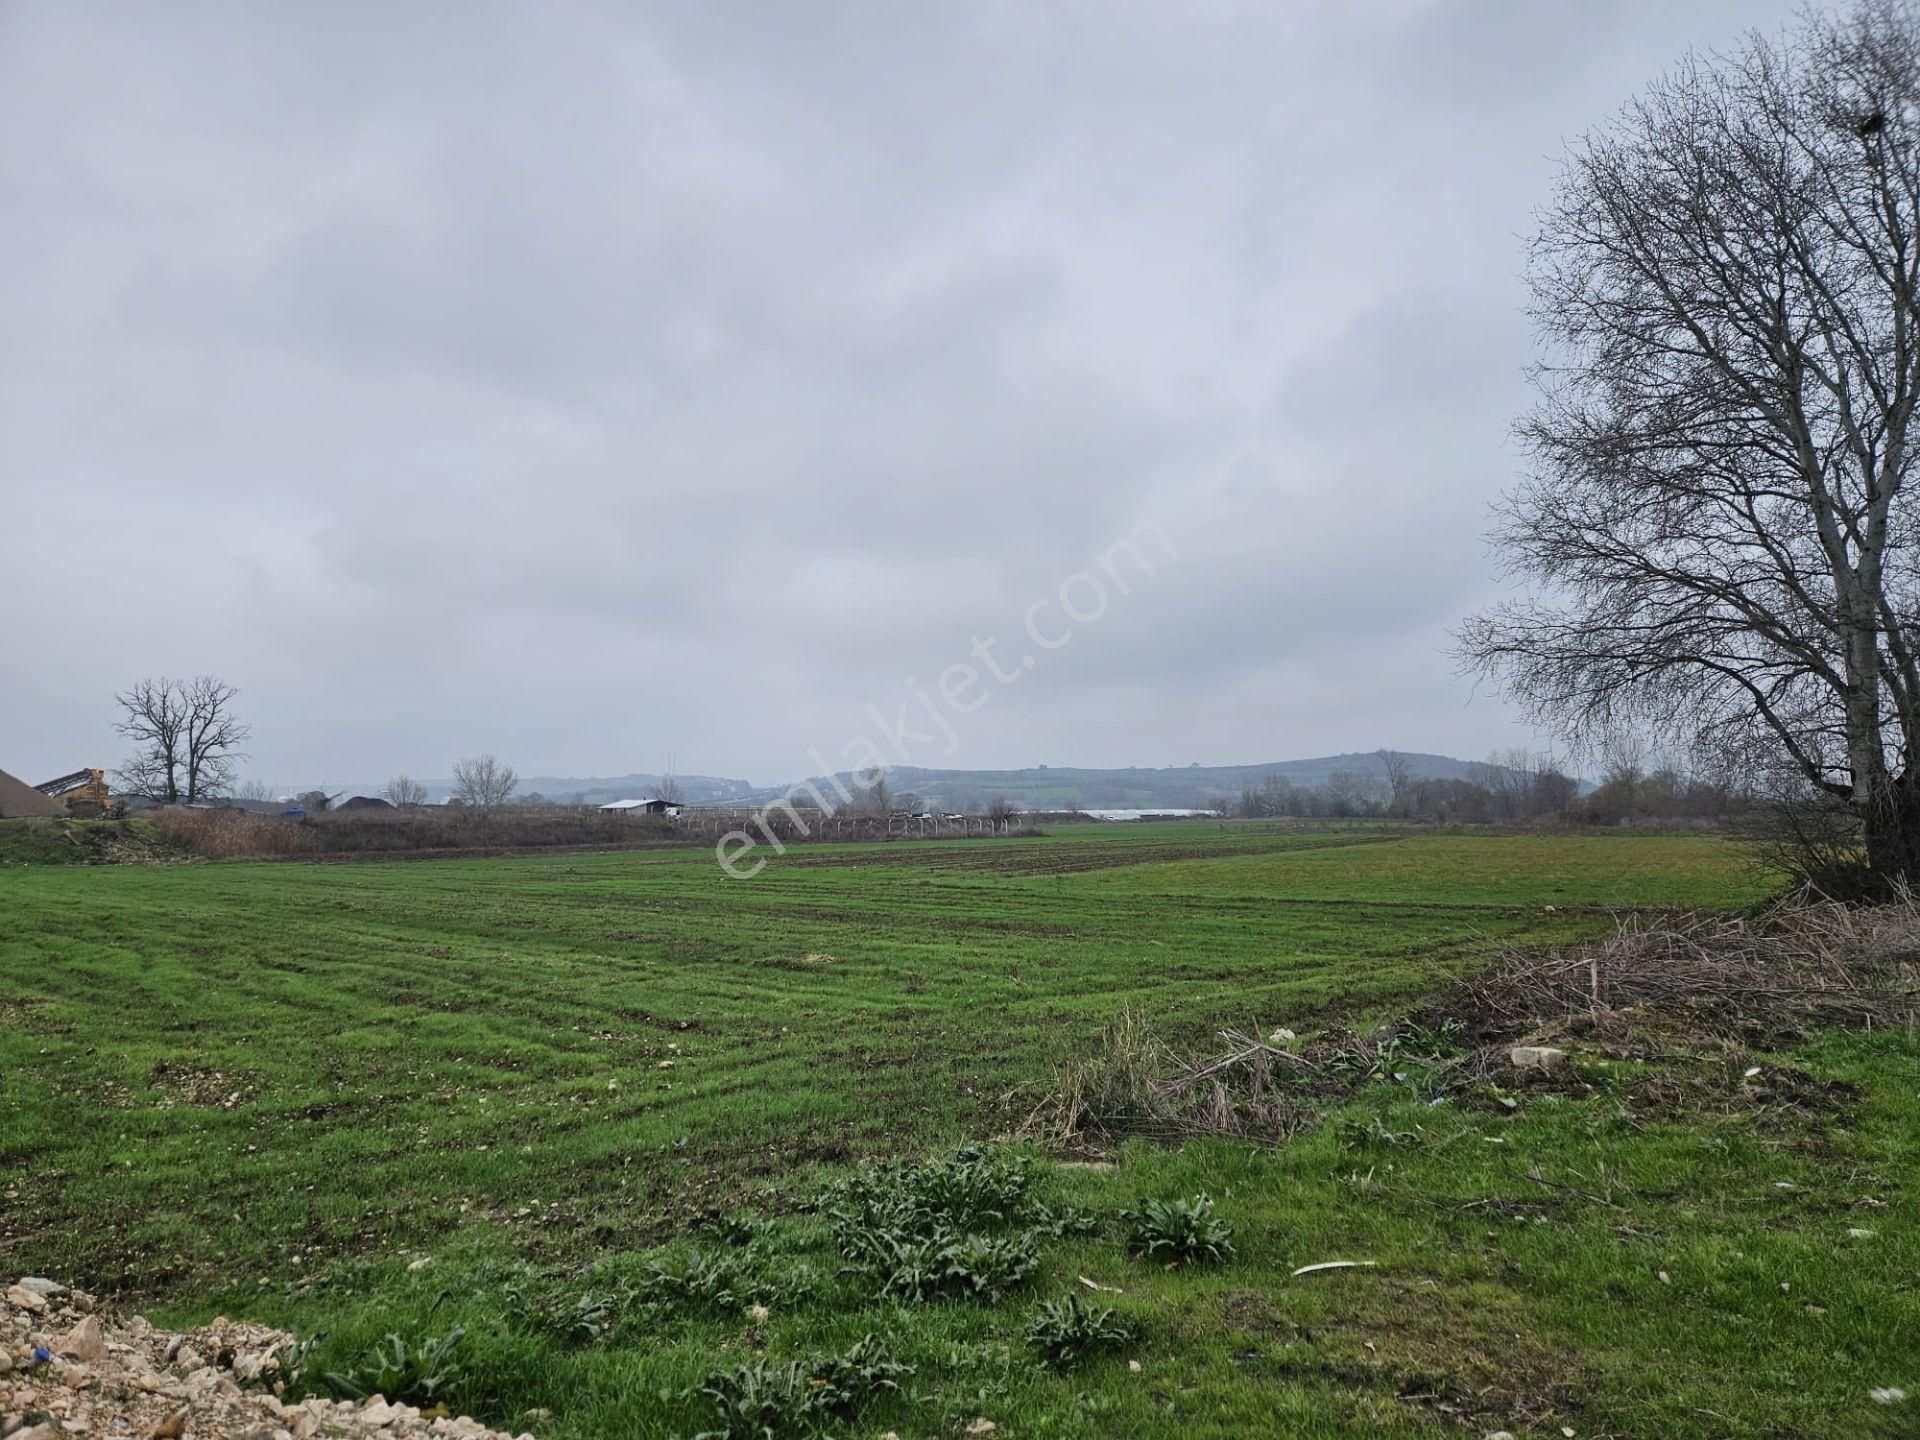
x,y
187,736
1510,787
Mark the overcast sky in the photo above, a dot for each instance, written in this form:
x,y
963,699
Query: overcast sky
x,y
594,383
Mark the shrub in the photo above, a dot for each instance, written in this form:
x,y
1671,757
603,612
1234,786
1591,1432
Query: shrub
x,y
1178,1230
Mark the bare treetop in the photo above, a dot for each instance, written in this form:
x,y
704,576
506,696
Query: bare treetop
x,y
405,792
484,780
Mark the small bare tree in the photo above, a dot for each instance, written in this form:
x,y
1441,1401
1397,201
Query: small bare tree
x,y
1719,517
484,781
669,789
405,792
187,739
878,799
1001,812
1398,770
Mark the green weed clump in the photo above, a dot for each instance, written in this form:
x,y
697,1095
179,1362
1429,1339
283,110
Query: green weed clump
x,y
417,1374
774,1400
1178,1230
717,1281
1066,1331
968,1226
583,1319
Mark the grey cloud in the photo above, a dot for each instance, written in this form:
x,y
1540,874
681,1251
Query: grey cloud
x,y
591,381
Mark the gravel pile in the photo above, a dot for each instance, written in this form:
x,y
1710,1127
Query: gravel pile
x,y
67,1369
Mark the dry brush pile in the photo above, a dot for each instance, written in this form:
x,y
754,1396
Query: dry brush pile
x,y
1799,964
1697,982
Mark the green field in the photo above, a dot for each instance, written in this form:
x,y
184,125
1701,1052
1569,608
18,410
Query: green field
x,y
269,1089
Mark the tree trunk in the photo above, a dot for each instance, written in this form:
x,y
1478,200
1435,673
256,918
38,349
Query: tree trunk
x,y
1891,824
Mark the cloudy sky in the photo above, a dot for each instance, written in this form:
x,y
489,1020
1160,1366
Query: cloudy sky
x,y
593,383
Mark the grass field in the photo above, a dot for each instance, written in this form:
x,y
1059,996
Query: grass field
x,y
270,1089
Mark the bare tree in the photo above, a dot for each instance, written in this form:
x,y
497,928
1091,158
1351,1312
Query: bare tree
x,y
405,792
187,739
879,795
1719,508
669,789
483,781
256,790
1398,770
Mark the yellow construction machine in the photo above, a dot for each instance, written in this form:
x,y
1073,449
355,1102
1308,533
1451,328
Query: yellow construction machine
x,y
84,792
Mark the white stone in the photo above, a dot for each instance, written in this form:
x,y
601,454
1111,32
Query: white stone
x,y
84,1342
377,1412
1536,1057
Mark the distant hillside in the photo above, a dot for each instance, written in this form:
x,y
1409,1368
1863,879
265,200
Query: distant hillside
x,y
1041,787
591,789
1045,786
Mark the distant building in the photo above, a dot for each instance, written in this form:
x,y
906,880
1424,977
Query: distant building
x,y
365,802
668,808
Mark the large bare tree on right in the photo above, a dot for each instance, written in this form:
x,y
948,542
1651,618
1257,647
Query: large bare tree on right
x,y
1718,531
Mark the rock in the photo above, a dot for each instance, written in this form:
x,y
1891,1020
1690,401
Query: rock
x,y
377,1412
40,1285
22,1298
420,1264
1536,1057
108,1381
84,1342
250,1365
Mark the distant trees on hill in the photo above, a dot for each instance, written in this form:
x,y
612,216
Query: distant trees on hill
x,y
1509,787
